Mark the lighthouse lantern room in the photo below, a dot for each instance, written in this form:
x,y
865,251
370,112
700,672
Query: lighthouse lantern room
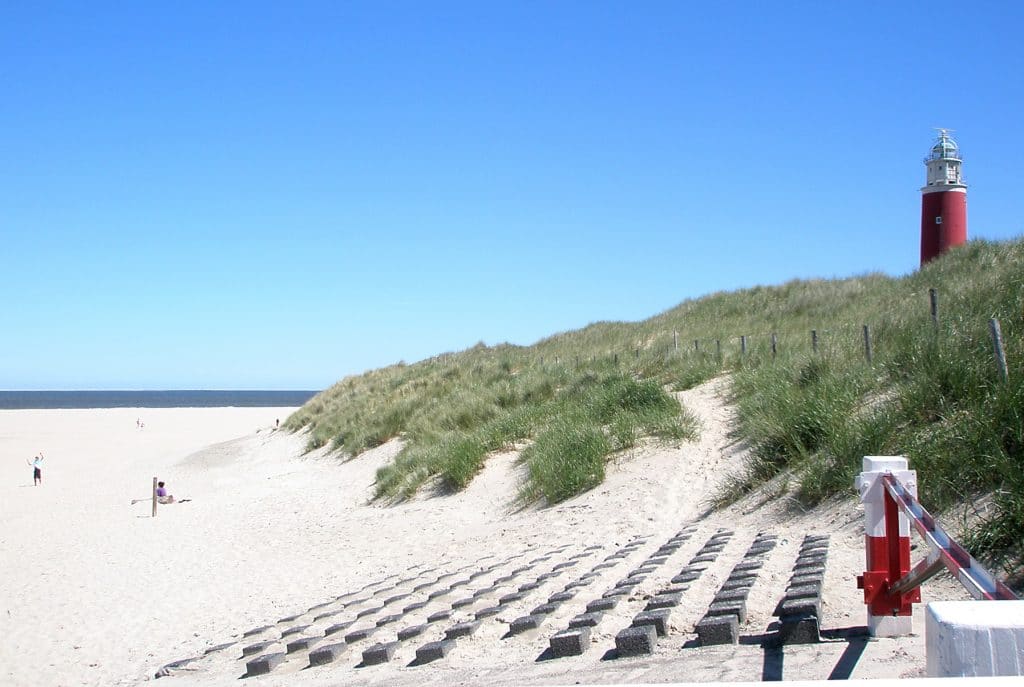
x,y
943,200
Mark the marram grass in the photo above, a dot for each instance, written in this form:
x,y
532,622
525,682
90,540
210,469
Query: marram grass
x,y
931,392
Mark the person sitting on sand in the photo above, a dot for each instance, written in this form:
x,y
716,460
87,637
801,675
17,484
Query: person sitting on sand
x,y
161,494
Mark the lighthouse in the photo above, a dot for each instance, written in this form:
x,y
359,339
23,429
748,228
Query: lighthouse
x,y
943,200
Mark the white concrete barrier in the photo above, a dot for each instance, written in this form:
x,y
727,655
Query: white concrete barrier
x,y
974,638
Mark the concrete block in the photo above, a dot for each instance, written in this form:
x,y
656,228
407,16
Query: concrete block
x,y
564,566
323,655
325,616
462,630
737,608
388,619
291,618
604,566
732,595
685,578
571,642
586,620
396,598
264,664
974,638
258,647
369,611
462,603
742,575
605,604
337,627
742,583
525,623
675,589
656,560
484,592
545,609
504,580
718,629
657,619
617,591
800,607
748,565
258,630
487,612
302,644
294,630
803,591
414,607
560,597
360,634
799,629
636,641
510,598
806,578
433,651
421,587
412,631
438,593
439,615
663,601
704,558
528,587
379,653
219,647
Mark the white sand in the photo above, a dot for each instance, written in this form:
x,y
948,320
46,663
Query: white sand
x,y
96,592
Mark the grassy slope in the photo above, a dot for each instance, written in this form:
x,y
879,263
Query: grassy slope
x,y
931,393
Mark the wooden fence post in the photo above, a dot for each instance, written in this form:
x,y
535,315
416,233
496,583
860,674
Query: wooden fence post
x,y
616,358
867,344
933,298
998,350
154,497
743,344
675,341
774,344
814,341
637,354
718,349
696,345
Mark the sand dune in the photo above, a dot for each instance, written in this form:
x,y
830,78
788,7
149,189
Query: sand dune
x,y
96,592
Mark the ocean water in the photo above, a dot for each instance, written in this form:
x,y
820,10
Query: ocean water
x,y
10,400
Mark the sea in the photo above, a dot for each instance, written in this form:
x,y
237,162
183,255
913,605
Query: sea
x,y
205,398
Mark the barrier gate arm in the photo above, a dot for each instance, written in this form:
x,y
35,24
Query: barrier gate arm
x,y
945,552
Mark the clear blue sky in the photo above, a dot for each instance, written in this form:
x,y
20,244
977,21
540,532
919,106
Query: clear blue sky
x,y
276,195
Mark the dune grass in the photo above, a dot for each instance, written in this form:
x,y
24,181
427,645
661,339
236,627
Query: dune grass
x,y
931,392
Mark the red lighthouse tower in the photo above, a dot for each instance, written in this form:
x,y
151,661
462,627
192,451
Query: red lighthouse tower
x,y
943,200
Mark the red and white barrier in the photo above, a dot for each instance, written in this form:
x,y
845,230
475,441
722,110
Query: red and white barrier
x,y
964,638
886,546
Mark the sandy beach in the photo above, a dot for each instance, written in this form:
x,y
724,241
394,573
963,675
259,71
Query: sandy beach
x,y
97,592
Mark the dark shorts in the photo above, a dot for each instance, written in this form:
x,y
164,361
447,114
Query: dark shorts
x,y
37,473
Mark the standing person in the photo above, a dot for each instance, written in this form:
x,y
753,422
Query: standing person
x,y
37,469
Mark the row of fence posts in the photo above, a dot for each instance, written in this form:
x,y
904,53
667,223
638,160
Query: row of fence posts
x,y
999,351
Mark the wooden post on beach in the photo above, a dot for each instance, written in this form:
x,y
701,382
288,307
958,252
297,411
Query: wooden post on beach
x,y
814,341
154,497
775,342
933,298
867,344
675,341
998,349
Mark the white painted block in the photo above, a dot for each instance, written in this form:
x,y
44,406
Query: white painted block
x,y
974,638
890,625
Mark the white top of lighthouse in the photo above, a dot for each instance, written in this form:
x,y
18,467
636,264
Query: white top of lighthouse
x,y
943,164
